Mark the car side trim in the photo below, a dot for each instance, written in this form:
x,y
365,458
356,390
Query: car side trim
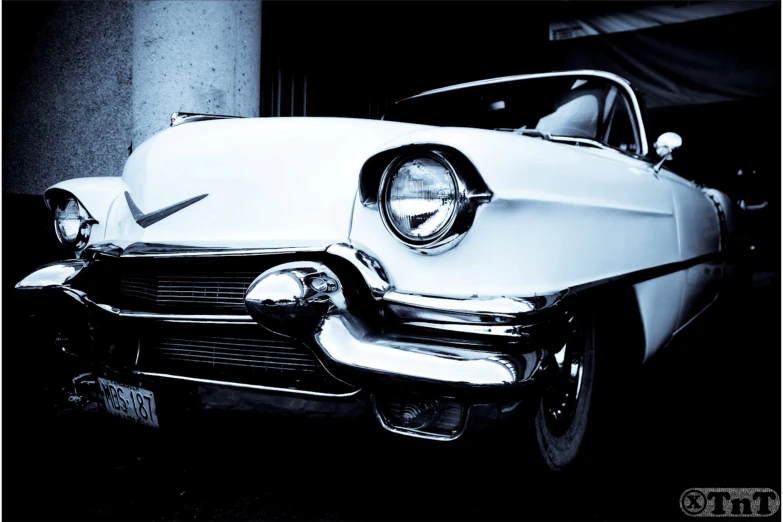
x,y
645,274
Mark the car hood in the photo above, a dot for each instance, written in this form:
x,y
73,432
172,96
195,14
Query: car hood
x,y
291,182
281,182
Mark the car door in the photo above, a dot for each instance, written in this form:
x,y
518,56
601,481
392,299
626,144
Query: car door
x,y
677,298
699,233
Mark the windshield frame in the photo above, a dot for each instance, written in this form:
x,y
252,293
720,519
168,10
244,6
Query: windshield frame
x,y
623,84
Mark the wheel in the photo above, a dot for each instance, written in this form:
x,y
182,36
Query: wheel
x,y
564,412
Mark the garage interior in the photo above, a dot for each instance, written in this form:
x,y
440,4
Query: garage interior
x,y
709,407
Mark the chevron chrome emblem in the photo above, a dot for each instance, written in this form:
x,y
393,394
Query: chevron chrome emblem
x,y
145,220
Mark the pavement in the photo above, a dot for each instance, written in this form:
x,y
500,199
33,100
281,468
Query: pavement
x,y
705,412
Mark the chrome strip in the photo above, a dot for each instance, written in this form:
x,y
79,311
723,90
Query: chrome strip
x,y
478,329
186,318
218,252
199,321
568,139
625,84
247,386
492,306
480,197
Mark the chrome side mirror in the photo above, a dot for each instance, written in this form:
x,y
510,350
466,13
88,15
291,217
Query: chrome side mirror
x,y
666,143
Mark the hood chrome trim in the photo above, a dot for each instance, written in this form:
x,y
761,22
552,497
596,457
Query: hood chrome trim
x,y
145,220
178,118
163,250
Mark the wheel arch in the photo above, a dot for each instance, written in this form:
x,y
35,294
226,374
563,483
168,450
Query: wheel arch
x,y
621,325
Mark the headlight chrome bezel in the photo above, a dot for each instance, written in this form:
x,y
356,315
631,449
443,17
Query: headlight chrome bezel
x,y
384,190
467,199
86,221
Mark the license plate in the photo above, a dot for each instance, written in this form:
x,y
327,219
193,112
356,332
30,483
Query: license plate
x,y
129,402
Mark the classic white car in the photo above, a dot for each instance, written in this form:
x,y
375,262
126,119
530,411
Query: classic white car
x,y
442,269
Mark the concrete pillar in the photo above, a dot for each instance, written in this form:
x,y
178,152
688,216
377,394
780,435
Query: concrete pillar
x,y
66,92
195,56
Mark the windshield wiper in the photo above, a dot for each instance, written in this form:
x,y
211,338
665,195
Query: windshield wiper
x,y
528,132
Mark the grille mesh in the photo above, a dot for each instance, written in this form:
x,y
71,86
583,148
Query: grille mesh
x,y
177,285
235,353
191,285
257,354
197,289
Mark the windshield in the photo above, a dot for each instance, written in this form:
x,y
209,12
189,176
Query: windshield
x,y
591,108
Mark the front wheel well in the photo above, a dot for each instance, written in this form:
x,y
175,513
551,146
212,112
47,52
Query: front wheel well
x,y
620,326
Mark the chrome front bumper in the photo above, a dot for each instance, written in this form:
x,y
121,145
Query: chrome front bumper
x,y
363,331
305,300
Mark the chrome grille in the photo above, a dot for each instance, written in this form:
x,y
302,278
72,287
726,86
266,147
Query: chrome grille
x,y
258,354
187,285
239,353
197,289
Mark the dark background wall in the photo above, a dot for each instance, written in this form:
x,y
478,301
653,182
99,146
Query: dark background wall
x,y
358,57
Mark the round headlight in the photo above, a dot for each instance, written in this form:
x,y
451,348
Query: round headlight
x,y
419,199
72,223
